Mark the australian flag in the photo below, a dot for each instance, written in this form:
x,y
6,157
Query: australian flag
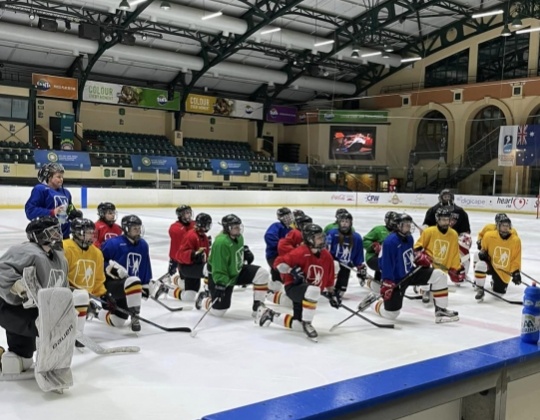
x,y
527,145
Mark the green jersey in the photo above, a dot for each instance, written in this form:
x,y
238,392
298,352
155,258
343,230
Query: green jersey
x,y
377,234
331,226
226,259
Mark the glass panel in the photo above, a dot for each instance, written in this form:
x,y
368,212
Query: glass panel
x,y
20,109
5,108
503,58
453,70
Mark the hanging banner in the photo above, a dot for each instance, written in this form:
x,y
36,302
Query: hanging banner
x,y
353,117
223,107
140,163
507,144
108,93
307,117
281,114
67,131
56,87
71,161
230,167
292,170
527,145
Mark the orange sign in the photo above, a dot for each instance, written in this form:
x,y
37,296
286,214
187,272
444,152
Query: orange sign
x,y
56,87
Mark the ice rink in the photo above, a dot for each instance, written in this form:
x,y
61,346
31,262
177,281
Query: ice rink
x,y
232,361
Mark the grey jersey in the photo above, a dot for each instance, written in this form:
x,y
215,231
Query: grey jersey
x,y
50,272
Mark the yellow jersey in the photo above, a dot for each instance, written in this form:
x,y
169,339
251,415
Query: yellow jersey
x,y
85,268
443,248
504,254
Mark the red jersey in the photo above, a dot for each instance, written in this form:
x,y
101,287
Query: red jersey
x,y
193,241
319,271
105,231
177,231
292,240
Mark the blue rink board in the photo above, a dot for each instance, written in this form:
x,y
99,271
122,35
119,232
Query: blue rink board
x,y
353,395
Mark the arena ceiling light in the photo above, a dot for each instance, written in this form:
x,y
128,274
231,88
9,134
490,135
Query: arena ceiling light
x,y
373,54
320,44
528,30
165,5
270,31
212,16
411,59
485,14
124,5
506,30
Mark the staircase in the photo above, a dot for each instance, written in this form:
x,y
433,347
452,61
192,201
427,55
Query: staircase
x,y
448,176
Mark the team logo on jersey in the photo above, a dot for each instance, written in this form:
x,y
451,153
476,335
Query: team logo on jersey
x,y
60,200
344,253
110,235
56,278
408,260
133,263
315,274
84,273
440,250
501,257
239,258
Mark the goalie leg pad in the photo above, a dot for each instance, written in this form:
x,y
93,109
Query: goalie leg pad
x,y
57,327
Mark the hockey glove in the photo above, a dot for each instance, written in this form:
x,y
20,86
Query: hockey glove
x,y
361,272
198,257
173,265
248,255
116,271
73,213
457,275
483,256
219,292
422,259
335,299
376,247
516,277
479,244
297,275
145,291
387,289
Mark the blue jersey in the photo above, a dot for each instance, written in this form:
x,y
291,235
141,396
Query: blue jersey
x,y
43,200
134,257
396,259
273,234
347,249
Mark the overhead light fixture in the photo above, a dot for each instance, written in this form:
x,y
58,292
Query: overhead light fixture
x,y
356,47
124,5
212,16
373,54
270,31
528,30
385,56
136,2
506,30
32,16
320,44
108,38
408,60
388,48
485,14
516,23
165,5
144,37
355,54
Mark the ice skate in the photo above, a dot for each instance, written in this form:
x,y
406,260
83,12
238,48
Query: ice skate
x,y
157,289
265,316
200,298
310,331
445,315
479,295
255,308
368,300
14,367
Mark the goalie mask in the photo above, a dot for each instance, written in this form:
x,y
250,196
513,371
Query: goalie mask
x,y
48,170
446,199
107,212
285,216
83,232
314,237
232,225
132,227
45,231
203,222
184,214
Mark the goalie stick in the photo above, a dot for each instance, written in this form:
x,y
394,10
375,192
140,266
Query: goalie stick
x,y
96,348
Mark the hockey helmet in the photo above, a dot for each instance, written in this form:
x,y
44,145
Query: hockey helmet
x,y
302,220
390,220
297,213
229,222
184,213
48,170
132,227
504,227
83,232
340,211
446,198
314,236
344,221
203,222
499,216
104,208
45,231
404,224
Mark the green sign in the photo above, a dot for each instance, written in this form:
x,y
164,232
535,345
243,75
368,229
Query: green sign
x,y
353,117
67,131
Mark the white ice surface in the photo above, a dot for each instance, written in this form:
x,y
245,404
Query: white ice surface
x,y
232,361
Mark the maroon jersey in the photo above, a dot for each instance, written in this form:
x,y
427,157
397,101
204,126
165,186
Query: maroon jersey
x,y
319,271
105,231
292,240
193,241
177,231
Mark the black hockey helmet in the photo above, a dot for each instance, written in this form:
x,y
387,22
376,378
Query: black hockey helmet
x,y
344,221
285,216
500,216
105,207
48,170
184,213
203,222
83,231
404,224
297,212
302,220
340,211
314,236
506,223
442,212
44,231
390,220
130,221
229,221
446,198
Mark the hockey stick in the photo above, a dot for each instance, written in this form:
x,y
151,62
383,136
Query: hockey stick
x,y
96,348
193,332
512,302
173,309
358,314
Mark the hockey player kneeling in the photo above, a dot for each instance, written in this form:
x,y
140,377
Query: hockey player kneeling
x,y
35,302
229,264
306,271
397,262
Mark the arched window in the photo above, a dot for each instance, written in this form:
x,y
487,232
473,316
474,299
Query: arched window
x,y
534,117
486,123
431,137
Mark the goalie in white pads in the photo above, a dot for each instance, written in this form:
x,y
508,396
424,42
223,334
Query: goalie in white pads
x,y
46,268
397,261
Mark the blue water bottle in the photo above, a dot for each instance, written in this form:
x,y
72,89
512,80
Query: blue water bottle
x,y
530,318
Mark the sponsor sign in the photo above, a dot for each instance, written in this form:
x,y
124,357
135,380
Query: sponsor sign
x,y
74,161
67,131
343,198
143,163
353,117
230,167
281,114
56,87
292,170
224,107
